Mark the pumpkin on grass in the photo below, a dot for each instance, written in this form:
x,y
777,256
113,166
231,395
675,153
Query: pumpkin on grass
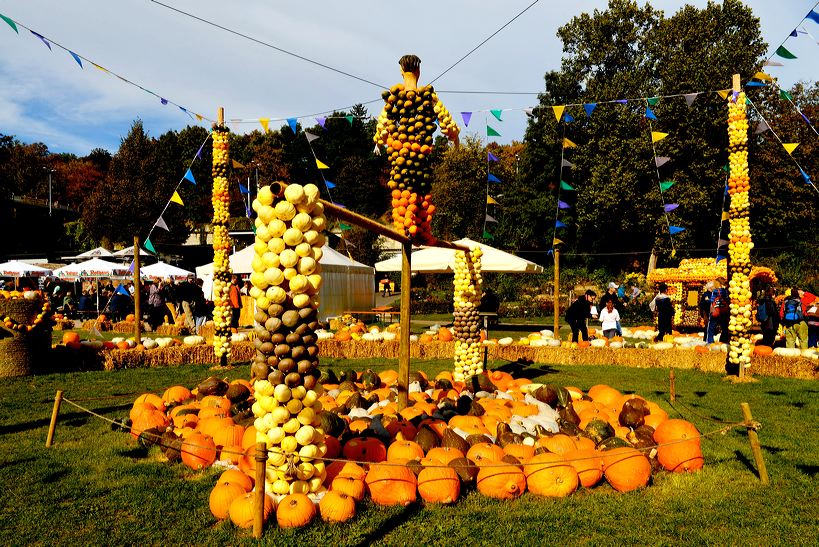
x,y
404,450
444,454
673,430
198,451
337,507
503,482
482,453
439,485
222,496
588,463
550,475
350,486
391,484
234,476
295,511
626,469
242,512
365,449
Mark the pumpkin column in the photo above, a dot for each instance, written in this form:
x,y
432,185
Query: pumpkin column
x,y
466,299
221,242
740,244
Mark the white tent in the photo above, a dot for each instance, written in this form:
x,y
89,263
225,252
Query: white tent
x,y
16,268
163,270
99,251
129,252
95,267
347,285
438,260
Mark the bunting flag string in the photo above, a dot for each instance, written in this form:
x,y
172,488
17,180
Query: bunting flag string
x,y
568,144
490,158
236,164
490,131
664,186
491,201
49,42
310,137
160,223
566,163
562,186
189,176
493,178
176,198
466,116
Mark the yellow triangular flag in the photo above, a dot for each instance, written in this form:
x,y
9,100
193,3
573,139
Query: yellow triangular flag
x,y
762,76
726,215
321,165
491,201
657,136
724,93
237,165
176,199
264,122
556,241
790,146
198,117
568,144
558,110
98,67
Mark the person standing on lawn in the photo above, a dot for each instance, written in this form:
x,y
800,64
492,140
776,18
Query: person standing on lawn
x,y
768,317
578,313
609,318
235,299
792,314
613,296
664,308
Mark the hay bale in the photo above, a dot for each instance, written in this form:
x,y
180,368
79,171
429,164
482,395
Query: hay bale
x,y
171,330
23,353
63,324
207,331
101,326
171,356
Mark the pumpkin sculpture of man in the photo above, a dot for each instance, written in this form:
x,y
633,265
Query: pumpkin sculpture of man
x,y
405,127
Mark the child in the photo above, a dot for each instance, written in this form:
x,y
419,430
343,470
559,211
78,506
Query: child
x,y
609,318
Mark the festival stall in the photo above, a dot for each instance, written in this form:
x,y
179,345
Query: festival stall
x,y
439,260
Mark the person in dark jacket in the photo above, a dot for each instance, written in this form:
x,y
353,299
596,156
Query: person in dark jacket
x,y
664,308
768,317
578,313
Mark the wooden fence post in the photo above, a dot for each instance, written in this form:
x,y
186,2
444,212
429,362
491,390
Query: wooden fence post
x,y
57,400
258,500
672,385
753,438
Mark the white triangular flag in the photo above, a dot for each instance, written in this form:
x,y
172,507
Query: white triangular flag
x,y
689,98
310,136
490,219
161,224
761,127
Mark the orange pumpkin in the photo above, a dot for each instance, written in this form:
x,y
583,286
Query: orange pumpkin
x,y
350,486
425,338
365,449
763,350
483,453
295,511
337,507
404,450
176,394
343,336
151,419
550,475
130,318
214,401
557,444
444,334
249,437
674,430
626,469
520,451
242,512
501,482
391,484
439,485
343,469
680,457
123,345
388,377
70,337
231,454
222,496
588,463
444,454
229,436
234,476
198,451
333,447
151,399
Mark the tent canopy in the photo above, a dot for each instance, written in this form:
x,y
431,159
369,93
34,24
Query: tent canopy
x,y
129,251
438,260
95,267
15,268
99,251
164,270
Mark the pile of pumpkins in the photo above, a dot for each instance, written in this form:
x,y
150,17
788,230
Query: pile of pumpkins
x,y
220,200
498,435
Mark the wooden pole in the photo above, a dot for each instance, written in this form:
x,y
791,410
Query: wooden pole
x,y
258,499
404,348
137,293
672,385
58,398
557,292
753,438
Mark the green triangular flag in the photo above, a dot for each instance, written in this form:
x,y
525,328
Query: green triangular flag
x,y
150,246
666,185
487,235
725,168
652,100
497,114
350,119
10,23
565,186
784,53
344,227
785,95
491,132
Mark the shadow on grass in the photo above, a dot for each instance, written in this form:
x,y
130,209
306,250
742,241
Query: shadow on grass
x,y
798,404
810,470
390,524
71,419
775,392
772,449
743,459
529,371
55,476
136,453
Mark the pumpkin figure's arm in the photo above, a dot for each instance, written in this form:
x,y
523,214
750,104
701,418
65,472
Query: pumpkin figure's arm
x,y
381,132
445,121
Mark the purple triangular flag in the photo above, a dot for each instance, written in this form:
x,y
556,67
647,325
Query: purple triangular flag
x,y
310,136
659,161
621,101
321,122
41,37
668,207
189,176
163,101
466,117
794,34
292,123
807,121
563,205
491,156
131,267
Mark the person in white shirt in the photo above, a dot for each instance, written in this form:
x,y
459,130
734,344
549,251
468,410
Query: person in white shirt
x,y
609,317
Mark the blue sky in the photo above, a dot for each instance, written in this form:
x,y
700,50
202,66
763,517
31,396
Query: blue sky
x,y
46,97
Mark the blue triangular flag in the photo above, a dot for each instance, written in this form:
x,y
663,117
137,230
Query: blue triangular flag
x,y
650,114
321,122
189,176
329,184
589,108
668,207
491,156
675,229
720,257
813,16
805,176
559,224
76,58
292,123
568,118
466,117
42,38
243,189
621,101
563,205
163,101
755,84
493,178
122,290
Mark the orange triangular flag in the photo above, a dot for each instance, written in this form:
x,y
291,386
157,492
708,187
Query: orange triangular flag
x,y
558,110
176,198
321,165
264,122
790,146
556,241
568,144
724,93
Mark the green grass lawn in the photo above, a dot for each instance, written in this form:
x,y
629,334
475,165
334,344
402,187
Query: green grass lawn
x,y
96,487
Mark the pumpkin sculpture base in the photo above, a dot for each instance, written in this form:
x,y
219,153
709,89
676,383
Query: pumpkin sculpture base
x,y
22,353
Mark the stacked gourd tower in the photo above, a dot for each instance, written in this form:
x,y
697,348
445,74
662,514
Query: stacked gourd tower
x,y
467,297
286,280
221,244
740,244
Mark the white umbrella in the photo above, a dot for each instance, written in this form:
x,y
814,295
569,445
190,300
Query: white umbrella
x,y
439,260
17,269
129,251
99,251
163,270
95,268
